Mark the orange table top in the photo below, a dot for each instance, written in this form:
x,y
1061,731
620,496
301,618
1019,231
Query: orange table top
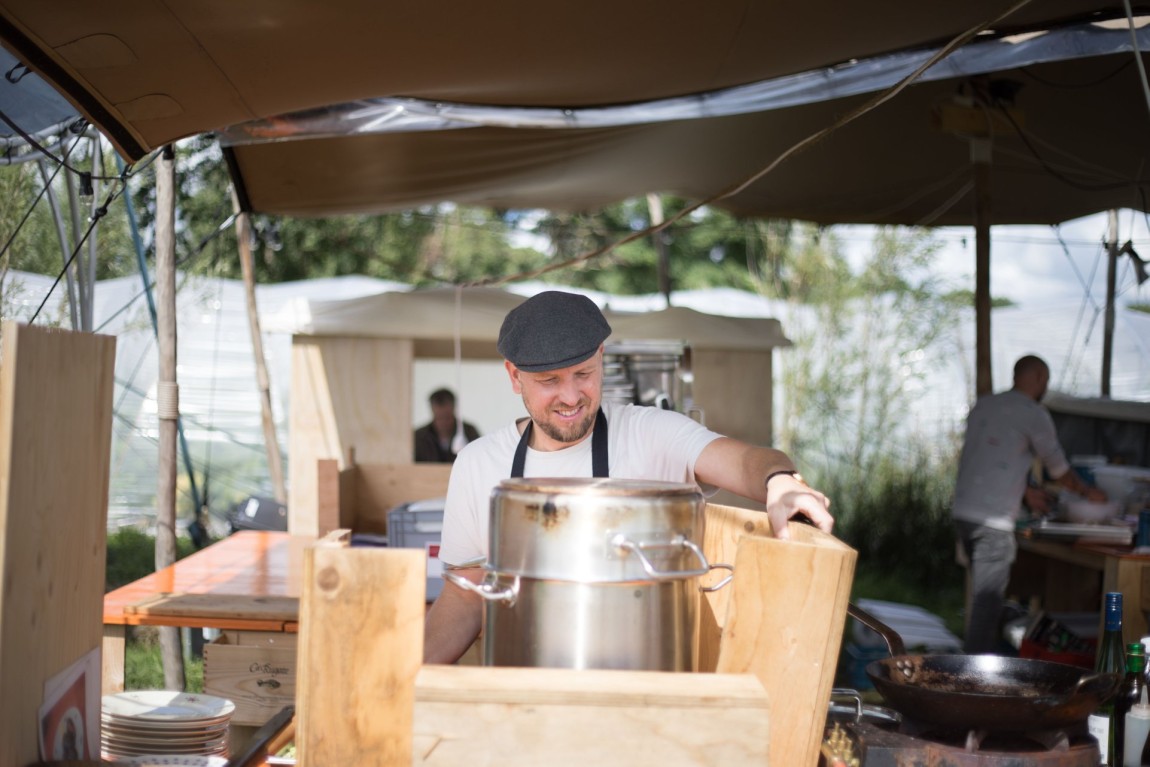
x,y
249,580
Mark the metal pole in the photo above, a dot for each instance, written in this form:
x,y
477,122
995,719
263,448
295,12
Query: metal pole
x,y
167,399
1111,280
94,147
62,236
980,155
77,233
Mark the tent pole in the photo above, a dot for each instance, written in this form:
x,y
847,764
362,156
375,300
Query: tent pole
x,y
142,263
1111,279
244,240
167,398
93,205
980,155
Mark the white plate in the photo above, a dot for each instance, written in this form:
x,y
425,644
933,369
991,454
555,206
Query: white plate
x,y
178,761
166,705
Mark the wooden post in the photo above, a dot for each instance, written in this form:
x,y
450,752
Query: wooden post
x,y
1112,254
980,156
167,398
360,648
275,461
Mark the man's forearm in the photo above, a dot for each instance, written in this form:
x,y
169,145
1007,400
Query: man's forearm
x,y
453,622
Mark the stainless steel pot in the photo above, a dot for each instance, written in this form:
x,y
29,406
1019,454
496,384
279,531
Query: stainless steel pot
x,y
593,573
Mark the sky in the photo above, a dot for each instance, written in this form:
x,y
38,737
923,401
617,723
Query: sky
x,y
1030,265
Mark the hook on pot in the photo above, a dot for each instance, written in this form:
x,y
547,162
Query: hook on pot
x,y
488,589
726,578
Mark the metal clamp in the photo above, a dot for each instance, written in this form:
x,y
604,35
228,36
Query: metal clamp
x,y
621,541
489,588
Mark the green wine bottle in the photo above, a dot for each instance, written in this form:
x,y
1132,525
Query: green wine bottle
x,y
1111,659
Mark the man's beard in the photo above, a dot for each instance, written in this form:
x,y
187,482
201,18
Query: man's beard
x,y
571,433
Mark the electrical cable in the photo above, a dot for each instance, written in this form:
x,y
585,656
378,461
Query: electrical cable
x,y
1137,52
97,214
1049,169
35,202
42,150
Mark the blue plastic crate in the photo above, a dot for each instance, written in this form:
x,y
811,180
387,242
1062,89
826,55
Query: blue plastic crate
x,y
419,525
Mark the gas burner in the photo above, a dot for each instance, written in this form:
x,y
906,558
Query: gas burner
x,y
878,747
982,741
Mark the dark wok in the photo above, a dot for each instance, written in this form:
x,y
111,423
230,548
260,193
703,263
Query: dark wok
x,y
984,692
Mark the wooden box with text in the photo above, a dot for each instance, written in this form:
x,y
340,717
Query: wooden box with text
x,y
256,670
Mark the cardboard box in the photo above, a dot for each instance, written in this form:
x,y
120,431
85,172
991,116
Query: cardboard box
x,y
256,670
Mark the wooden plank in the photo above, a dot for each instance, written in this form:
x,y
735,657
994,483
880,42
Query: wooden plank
x,y
207,607
55,438
529,717
112,651
360,648
725,526
329,495
346,393
785,620
383,486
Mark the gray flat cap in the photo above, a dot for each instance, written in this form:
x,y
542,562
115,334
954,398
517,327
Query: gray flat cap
x,y
552,330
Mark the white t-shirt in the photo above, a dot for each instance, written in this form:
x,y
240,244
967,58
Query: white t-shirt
x,y
642,443
1004,434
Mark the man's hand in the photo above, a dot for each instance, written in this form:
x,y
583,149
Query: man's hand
x,y
1037,500
789,497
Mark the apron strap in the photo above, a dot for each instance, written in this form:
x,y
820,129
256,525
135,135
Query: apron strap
x,y
599,463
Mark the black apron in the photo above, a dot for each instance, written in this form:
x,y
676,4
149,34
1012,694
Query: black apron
x,y
599,466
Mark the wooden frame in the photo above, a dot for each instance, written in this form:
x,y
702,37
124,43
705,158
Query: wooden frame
x,y
364,697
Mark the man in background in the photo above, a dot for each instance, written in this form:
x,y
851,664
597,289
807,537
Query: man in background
x,y
1005,434
436,442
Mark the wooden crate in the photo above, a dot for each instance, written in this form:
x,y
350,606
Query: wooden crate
x,y
256,670
777,627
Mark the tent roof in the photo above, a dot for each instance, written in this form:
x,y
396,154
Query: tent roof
x,y
1079,147
149,72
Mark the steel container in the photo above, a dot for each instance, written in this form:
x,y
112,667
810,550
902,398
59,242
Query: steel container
x,y
593,573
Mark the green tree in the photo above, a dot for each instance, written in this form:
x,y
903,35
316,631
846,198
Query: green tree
x,y
863,343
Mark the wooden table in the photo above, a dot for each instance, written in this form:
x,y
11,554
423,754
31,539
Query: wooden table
x,y
247,581
1074,576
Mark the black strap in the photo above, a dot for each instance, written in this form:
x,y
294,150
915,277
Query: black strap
x,y
599,463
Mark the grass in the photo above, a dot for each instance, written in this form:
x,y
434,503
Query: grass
x,y
144,669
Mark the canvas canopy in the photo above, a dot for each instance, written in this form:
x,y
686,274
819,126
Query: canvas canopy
x,y
1062,110
148,72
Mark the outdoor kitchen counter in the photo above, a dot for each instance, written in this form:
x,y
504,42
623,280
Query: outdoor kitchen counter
x,y
1072,576
250,580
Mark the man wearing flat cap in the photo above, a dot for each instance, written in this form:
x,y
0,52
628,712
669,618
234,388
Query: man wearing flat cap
x,y
552,344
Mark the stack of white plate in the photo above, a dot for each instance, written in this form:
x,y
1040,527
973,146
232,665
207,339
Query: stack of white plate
x,y
146,723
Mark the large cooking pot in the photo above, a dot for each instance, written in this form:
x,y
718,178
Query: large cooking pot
x,y
592,573
984,692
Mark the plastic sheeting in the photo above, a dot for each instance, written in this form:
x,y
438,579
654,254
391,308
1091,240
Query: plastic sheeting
x,y
392,115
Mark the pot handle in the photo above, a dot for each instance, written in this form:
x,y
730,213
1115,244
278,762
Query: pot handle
x,y
894,643
488,589
621,541
726,579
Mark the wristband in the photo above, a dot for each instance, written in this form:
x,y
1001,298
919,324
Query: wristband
x,y
774,474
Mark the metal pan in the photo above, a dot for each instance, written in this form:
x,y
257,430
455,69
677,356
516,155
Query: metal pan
x,y
992,693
